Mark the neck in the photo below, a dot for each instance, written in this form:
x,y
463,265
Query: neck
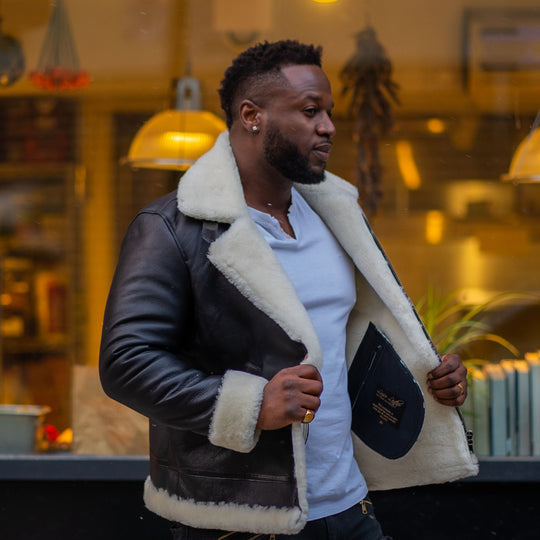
x,y
271,197
264,188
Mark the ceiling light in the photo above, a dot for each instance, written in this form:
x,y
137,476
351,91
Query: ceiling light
x,y
174,139
407,165
436,126
525,164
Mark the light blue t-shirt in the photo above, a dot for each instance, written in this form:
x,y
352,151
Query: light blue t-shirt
x,y
323,277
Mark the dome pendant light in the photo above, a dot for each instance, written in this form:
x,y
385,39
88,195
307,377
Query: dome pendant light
x,y
11,59
525,164
174,139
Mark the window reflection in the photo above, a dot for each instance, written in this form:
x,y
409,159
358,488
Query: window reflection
x,y
446,218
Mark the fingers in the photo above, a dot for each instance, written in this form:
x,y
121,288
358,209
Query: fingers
x,y
450,363
288,395
454,396
447,383
306,378
300,388
306,371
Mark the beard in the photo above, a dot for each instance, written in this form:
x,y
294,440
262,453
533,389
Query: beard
x,y
284,155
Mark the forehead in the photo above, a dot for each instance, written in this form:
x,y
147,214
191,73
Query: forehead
x,y
306,81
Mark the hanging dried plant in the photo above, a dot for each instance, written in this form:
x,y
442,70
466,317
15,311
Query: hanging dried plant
x,y
367,77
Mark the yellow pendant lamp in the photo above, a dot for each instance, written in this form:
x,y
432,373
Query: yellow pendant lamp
x,y
525,164
174,139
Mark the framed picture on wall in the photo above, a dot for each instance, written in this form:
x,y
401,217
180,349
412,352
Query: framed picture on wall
x,y
501,51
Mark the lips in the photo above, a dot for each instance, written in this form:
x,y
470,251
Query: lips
x,y
322,151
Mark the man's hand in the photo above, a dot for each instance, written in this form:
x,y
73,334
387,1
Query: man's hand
x,y
288,395
447,383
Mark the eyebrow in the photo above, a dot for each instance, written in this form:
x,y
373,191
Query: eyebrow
x,y
314,96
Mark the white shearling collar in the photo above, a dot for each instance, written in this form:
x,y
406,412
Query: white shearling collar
x,y
211,190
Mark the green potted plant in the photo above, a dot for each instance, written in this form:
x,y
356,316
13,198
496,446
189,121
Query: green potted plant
x,y
455,324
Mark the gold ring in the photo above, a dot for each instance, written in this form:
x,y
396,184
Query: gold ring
x,y
308,417
461,388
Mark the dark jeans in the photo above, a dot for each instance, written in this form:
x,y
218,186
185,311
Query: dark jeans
x,y
356,523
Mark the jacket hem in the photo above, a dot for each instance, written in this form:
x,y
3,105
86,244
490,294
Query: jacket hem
x,y
450,474
223,516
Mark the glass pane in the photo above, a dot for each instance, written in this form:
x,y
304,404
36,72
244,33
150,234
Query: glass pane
x,y
469,81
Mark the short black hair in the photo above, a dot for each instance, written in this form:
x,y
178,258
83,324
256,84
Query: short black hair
x,y
253,68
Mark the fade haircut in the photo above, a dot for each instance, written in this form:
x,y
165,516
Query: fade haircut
x,y
252,71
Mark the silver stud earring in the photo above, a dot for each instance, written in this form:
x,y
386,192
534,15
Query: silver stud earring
x,y
255,129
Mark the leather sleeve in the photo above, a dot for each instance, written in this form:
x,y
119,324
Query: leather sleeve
x,y
148,320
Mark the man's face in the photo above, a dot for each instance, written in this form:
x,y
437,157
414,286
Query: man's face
x,y
298,129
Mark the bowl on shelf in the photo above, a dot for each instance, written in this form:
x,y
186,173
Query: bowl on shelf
x,y
20,427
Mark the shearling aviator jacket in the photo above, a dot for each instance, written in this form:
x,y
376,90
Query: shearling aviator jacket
x,y
201,314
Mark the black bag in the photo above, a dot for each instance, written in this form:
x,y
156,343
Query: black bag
x,y
387,403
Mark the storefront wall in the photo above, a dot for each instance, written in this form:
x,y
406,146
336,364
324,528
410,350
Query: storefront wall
x,y
469,80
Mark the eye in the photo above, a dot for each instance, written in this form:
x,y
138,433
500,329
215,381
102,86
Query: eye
x,y
310,111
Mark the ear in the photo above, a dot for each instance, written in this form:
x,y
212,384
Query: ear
x,y
249,115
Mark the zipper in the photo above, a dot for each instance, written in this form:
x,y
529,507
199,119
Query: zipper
x,y
363,503
468,432
305,431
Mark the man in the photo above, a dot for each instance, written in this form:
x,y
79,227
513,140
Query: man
x,y
235,307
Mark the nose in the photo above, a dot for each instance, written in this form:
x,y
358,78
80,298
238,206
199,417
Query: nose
x,y
326,126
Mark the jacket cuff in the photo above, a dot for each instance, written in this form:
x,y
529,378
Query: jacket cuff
x,y
237,409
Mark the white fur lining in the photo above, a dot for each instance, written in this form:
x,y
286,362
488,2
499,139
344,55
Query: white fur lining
x,y
299,452
211,188
441,453
223,516
247,261
237,409
332,200
383,301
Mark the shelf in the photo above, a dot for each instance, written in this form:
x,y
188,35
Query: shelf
x,y
35,252
37,172
511,469
72,467
32,345
89,467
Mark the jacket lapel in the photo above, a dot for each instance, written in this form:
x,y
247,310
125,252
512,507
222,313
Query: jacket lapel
x,y
211,191
336,202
